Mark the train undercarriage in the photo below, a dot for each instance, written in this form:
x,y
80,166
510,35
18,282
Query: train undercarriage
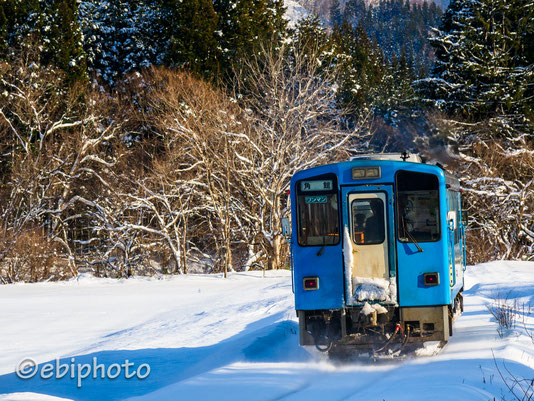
x,y
377,329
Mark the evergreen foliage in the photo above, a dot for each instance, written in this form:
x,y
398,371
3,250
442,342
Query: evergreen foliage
x,y
200,35
396,26
335,13
483,66
63,38
51,26
396,97
360,66
120,36
23,22
190,33
310,37
3,31
247,25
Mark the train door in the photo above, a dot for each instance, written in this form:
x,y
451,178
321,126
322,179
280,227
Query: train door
x,y
368,241
455,239
451,230
421,242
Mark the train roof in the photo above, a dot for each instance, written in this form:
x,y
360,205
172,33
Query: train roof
x,y
395,160
450,179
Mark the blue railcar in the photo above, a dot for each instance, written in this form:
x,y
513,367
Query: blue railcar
x,y
378,251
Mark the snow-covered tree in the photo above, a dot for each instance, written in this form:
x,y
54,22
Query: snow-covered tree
x,y
481,66
395,96
396,25
22,20
193,189
335,13
360,66
311,37
53,152
120,36
495,169
48,28
291,94
245,25
483,80
3,31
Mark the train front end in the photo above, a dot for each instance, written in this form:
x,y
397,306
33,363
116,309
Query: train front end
x,y
377,253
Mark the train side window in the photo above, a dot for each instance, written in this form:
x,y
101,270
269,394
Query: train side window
x,y
454,206
457,209
317,212
417,207
368,221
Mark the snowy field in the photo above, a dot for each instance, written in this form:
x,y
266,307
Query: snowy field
x,y
207,338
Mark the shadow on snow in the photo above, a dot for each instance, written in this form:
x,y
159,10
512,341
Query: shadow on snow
x,y
260,341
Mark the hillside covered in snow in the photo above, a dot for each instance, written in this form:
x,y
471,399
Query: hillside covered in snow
x,y
235,339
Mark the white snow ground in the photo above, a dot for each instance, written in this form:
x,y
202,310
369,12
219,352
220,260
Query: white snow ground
x,y
208,338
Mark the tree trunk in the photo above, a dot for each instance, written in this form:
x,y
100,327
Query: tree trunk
x,y
183,244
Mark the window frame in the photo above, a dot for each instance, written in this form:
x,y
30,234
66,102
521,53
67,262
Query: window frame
x,y
334,191
397,211
453,207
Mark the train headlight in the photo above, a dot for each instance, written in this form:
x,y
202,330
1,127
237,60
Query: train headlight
x,y
311,283
431,278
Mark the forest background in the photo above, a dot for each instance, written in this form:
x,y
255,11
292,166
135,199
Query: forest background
x,y
159,136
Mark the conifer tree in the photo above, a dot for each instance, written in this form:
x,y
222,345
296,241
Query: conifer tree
x,y
63,38
360,66
3,31
335,13
49,28
245,25
311,38
526,33
482,68
395,96
395,25
120,36
22,27
190,28
356,13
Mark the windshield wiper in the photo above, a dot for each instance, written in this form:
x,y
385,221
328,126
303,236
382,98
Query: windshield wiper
x,y
410,236
322,248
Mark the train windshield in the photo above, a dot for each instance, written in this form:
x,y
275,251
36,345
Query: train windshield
x,y
317,211
417,207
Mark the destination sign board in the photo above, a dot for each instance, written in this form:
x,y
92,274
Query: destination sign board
x,y
316,185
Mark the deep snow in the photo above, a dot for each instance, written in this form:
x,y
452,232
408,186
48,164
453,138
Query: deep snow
x,y
208,338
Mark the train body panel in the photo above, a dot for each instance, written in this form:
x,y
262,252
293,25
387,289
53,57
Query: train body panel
x,y
384,234
327,265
